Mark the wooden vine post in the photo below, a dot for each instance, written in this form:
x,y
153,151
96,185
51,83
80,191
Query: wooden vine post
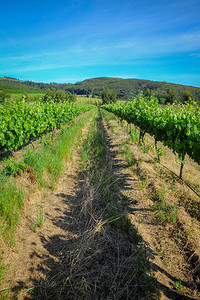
x,y
182,165
55,132
181,169
33,145
141,137
13,153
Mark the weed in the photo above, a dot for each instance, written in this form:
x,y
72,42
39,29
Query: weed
x,y
145,149
126,224
166,213
126,151
144,182
131,161
159,154
5,295
14,168
2,268
11,200
178,286
40,219
134,136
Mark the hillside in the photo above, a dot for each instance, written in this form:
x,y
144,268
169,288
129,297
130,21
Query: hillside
x,y
126,87
123,87
11,85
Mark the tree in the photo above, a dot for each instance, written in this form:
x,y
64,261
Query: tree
x,y
55,95
188,97
71,97
108,96
60,96
149,93
171,96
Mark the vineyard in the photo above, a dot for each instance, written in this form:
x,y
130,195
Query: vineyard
x,y
90,213
179,129
20,122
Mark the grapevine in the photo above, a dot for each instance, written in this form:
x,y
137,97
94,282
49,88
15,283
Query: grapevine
x,y
21,121
177,128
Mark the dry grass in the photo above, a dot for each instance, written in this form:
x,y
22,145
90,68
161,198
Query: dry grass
x,y
103,261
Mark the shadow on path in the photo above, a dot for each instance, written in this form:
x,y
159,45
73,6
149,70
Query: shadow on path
x,y
85,255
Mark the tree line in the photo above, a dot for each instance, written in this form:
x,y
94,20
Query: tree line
x,y
124,88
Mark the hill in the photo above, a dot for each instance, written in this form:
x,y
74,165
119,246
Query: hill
x,y
12,85
124,88
127,87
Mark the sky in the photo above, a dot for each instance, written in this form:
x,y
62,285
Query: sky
x,y
69,41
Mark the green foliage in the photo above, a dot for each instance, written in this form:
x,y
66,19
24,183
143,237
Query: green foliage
x,y
3,96
188,97
13,84
14,168
131,161
40,218
71,97
25,97
11,200
127,88
166,213
124,88
179,129
149,93
159,154
49,160
55,95
172,96
162,100
108,96
20,122
134,135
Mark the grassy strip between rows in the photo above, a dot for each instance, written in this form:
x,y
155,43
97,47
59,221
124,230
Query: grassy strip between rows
x,y
110,253
42,167
104,257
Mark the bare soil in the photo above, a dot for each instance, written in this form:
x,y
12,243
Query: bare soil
x,y
167,244
26,261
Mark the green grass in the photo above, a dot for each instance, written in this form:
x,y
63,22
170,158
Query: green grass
x,y
49,162
46,165
32,96
166,213
96,157
11,204
95,154
39,218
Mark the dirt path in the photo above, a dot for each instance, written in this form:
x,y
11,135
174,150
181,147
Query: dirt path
x,y
173,274
68,244
39,250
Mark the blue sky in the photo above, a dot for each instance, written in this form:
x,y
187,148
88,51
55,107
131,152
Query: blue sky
x,y
69,41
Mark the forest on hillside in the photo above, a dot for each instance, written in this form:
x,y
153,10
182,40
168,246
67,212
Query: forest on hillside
x,y
124,88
